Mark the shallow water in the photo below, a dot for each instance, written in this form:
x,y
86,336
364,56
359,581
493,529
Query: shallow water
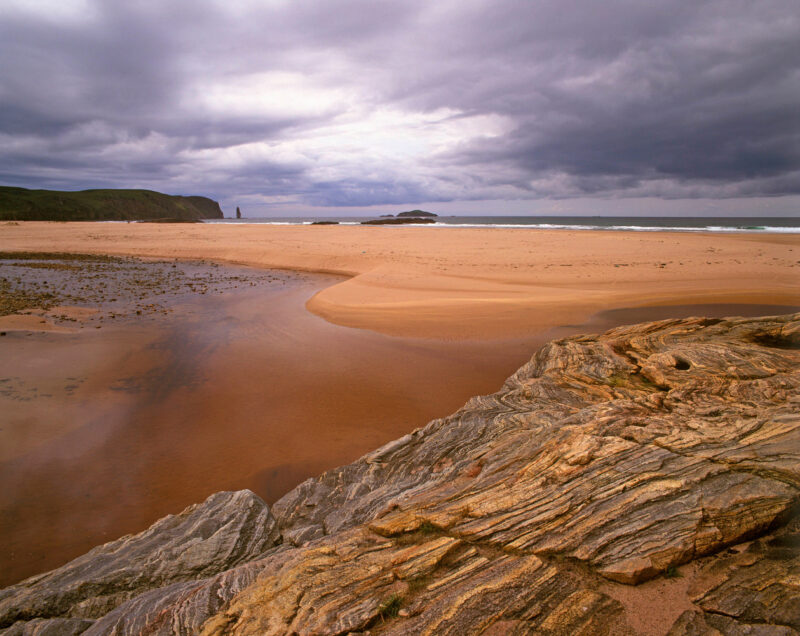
x,y
105,430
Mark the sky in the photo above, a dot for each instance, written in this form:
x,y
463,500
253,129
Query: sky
x,y
303,107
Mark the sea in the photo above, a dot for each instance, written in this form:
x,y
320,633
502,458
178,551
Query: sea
x,y
789,225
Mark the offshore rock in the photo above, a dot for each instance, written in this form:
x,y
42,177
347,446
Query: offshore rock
x,y
205,539
416,213
398,220
669,450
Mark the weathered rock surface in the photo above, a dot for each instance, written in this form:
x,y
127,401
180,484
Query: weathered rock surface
x,y
49,627
605,461
181,608
603,449
755,590
205,539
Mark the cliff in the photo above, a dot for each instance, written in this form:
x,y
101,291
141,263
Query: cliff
x,y
643,481
19,204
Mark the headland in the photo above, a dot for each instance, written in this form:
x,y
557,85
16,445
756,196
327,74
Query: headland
x,y
21,204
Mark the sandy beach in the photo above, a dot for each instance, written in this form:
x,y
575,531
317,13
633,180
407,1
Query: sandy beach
x,y
464,282
139,416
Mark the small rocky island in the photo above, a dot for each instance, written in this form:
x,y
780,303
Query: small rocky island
x,y
397,221
643,481
417,214
21,204
403,218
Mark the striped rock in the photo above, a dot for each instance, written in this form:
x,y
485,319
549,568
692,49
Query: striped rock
x,y
227,529
607,461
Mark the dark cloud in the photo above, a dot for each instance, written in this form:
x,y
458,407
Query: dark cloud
x,y
356,103
364,192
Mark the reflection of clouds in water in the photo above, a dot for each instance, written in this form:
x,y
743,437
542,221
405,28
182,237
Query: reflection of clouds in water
x,y
117,444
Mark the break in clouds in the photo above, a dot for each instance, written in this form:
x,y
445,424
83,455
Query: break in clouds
x,y
286,105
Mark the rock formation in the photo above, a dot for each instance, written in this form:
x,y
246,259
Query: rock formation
x,y
227,529
397,221
416,213
603,466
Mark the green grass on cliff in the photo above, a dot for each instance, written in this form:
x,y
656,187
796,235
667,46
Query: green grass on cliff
x,y
20,204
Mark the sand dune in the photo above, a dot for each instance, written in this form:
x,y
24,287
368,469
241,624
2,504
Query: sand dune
x,y
464,282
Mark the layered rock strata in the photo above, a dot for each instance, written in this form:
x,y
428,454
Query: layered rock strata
x,y
205,539
657,451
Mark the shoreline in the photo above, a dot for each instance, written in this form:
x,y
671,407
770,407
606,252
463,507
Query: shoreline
x,y
483,283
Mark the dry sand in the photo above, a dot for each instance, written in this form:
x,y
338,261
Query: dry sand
x,y
464,282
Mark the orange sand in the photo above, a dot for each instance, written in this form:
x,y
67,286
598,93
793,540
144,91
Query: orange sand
x,y
464,282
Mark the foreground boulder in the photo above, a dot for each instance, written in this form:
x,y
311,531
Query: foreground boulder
x,y
205,539
658,461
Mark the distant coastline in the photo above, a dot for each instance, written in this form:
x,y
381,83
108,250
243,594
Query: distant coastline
x,y
21,204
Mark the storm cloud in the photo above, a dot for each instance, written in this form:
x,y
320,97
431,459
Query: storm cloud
x,y
283,106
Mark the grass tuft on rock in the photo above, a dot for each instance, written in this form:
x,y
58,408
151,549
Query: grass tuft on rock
x,y
390,607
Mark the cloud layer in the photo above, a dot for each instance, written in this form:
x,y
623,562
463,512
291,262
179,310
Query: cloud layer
x,y
285,105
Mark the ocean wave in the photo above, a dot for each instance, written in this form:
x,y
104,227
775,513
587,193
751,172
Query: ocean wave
x,y
627,228
727,229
